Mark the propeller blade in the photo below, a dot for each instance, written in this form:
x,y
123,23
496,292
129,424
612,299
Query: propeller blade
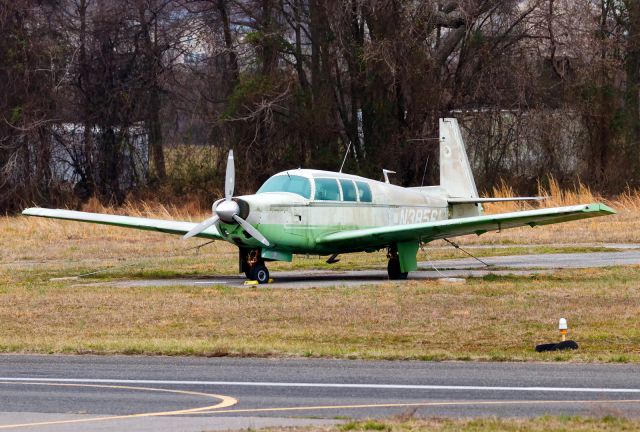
x,y
230,178
201,227
251,230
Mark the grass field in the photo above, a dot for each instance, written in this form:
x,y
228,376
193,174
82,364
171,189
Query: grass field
x,y
607,423
491,318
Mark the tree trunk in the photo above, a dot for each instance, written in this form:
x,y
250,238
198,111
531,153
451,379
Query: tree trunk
x,y
632,99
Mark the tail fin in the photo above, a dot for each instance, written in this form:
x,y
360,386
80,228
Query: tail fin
x,y
456,177
455,172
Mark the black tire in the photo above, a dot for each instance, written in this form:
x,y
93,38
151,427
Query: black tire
x,y
260,273
393,269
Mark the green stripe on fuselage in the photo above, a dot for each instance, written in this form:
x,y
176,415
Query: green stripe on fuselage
x,y
297,239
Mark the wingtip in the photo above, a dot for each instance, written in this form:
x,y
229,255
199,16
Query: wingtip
x,y
31,211
603,208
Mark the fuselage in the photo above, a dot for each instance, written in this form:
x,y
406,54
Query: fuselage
x,y
293,208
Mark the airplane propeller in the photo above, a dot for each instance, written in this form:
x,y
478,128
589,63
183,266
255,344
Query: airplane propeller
x,y
227,210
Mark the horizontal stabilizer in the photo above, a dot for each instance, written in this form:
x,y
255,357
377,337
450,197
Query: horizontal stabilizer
x,y
492,200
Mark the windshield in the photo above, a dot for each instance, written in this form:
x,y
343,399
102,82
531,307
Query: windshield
x,y
288,183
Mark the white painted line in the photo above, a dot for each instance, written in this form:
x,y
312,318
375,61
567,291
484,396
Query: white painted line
x,y
328,385
211,282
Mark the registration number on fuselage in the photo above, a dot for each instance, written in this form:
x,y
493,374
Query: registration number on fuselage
x,y
403,216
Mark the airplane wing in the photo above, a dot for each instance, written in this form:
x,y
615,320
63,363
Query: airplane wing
x,y
159,225
428,231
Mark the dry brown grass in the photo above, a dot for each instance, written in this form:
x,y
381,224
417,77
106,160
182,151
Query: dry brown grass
x,y
154,209
37,239
490,424
494,318
624,227
556,197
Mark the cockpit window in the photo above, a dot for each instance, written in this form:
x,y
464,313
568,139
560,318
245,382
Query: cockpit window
x,y
327,190
287,183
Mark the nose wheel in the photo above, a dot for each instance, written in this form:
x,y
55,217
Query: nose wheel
x,y
253,266
260,273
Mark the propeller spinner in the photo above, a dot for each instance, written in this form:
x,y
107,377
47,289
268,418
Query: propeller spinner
x,y
227,211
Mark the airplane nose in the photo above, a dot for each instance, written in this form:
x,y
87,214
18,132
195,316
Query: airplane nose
x,y
226,210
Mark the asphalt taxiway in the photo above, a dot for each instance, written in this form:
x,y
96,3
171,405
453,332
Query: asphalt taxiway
x,y
439,269
61,393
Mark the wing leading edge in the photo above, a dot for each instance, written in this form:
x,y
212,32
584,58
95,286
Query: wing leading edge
x,y
159,225
382,236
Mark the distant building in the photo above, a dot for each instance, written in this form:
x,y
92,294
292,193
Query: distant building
x,y
76,156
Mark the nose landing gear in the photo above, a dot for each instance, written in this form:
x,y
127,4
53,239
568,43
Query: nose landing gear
x,y
253,266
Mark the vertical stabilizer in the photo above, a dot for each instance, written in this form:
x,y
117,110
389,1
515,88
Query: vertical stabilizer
x,y
456,177
455,172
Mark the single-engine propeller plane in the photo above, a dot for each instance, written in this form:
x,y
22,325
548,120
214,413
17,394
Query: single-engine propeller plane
x,y
306,211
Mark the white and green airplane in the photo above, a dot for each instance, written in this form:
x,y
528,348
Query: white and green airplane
x,y
305,211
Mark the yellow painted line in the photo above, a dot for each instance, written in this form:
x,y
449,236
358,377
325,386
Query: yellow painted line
x,y
423,404
225,402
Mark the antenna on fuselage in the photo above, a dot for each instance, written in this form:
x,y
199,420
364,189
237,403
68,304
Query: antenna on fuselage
x,y
424,173
345,157
386,173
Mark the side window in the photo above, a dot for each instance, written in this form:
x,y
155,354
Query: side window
x,y
348,190
327,190
364,192
300,186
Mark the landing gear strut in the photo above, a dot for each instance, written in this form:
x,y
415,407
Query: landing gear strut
x,y
393,267
253,266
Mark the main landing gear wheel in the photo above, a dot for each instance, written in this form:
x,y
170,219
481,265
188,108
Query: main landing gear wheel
x,y
259,273
393,267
